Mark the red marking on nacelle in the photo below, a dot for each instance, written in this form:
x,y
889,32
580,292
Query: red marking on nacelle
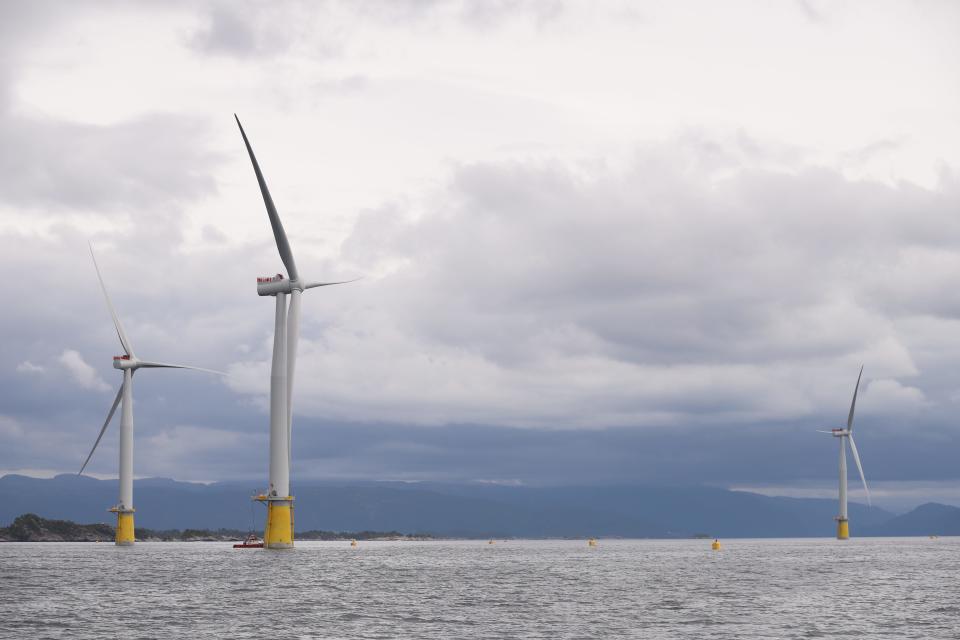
x,y
121,357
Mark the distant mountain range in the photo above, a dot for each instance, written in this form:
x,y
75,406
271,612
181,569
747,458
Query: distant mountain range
x,y
470,510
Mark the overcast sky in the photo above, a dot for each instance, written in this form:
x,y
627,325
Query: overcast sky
x,y
600,241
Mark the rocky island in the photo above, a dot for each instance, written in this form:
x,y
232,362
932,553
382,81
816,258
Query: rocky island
x,y
32,528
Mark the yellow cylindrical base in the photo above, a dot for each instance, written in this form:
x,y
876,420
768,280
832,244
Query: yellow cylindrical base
x,y
843,530
715,545
279,531
124,535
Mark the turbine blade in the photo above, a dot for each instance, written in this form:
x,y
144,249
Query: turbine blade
x,y
124,341
822,431
283,246
311,285
146,364
853,403
293,335
113,409
856,458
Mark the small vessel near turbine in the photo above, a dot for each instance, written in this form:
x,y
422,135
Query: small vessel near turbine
x,y
844,435
128,363
278,532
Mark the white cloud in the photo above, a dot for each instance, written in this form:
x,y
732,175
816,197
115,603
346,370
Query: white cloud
x,y
28,367
891,397
81,372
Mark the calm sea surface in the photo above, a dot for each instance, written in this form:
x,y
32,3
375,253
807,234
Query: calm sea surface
x,y
865,588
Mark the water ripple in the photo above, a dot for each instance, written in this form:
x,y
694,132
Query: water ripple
x,y
866,588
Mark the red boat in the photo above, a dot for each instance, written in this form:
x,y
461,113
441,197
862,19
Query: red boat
x,y
252,542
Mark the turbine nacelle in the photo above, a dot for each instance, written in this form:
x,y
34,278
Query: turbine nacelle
x,y
272,285
836,433
124,362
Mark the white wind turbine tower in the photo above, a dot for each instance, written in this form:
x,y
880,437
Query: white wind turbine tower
x,y
128,364
278,532
843,525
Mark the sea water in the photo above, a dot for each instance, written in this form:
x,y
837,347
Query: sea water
x,y
810,588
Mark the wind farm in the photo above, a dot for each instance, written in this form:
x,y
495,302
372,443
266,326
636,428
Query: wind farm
x,y
287,291
617,264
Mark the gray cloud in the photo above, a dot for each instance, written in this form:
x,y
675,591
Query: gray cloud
x,y
47,165
678,290
249,29
227,32
157,162
246,29
481,14
810,12
478,14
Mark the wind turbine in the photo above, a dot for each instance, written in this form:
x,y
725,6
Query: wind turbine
x,y
128,364
843,526
278,533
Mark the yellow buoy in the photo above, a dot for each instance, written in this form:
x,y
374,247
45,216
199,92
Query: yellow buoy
x,y
592,542
716,545
491,542
353,543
